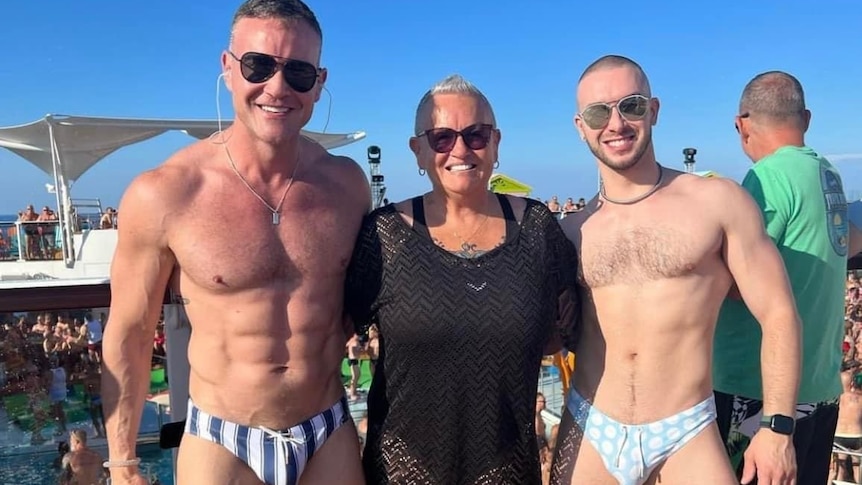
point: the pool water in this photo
(43, 468)
(25, 464)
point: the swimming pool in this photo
(43, 468)
(27, 464)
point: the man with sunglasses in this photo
(659, 250)
(802, 200)
(254, 228)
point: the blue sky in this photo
(161, 58)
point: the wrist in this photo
(122, 467)
(779, 424)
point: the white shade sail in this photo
(77, 143)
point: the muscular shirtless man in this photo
(261, 272)
(82, 465)
(659, 251)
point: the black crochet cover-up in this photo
(461, 340)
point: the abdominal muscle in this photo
(648, 354)
(259, 358)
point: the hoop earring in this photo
(421, 172)
(497, 164)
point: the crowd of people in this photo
(567, 207)
(39, 232)
(848, 432)
(50, 377)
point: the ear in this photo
(743, 129)
(226, 70)
(654, 108)
(579, 125)
(414, 146)
(321, 82)
(806, 120)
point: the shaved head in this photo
(613, 61)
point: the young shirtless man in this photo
(659, 251)
(261, 275)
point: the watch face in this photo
(782, 424)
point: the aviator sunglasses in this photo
(442, 140)
(632, 108)
(257, 68)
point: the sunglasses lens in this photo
(257, 68)
(442, 140)
(300, 75)
(477, 137)
(596, 116)
(633, 107)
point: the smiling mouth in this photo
(462, 167)
(274, 109)
(620, 142)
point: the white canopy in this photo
(76, 143)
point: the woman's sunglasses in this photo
(442, 140)
(632, 108)
(257, 68)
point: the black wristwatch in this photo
(778, 423)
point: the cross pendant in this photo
(275, 218)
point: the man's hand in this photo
(771, 457)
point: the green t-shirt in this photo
(802, 200)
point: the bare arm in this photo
(760, 275)
(66, 473)
(139, 273)
(357, 185)
(855, 245)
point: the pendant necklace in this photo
(276, 211)
(465, 242)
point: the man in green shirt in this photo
(801, 197)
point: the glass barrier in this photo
(50, 399)
(30, 240)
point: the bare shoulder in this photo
(344, 172)
(156, 194)
(728, 198)
(707, 189)
(573, 222)
(169, 183)
(519, 206)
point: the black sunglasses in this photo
(442, 140)
(632, 108)
(257, 68)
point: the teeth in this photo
(617, 143)
(274, 109)
(460, 168)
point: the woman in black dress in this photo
(469, 290)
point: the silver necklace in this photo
(638, 198)
(276, 211)
(465, 242)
